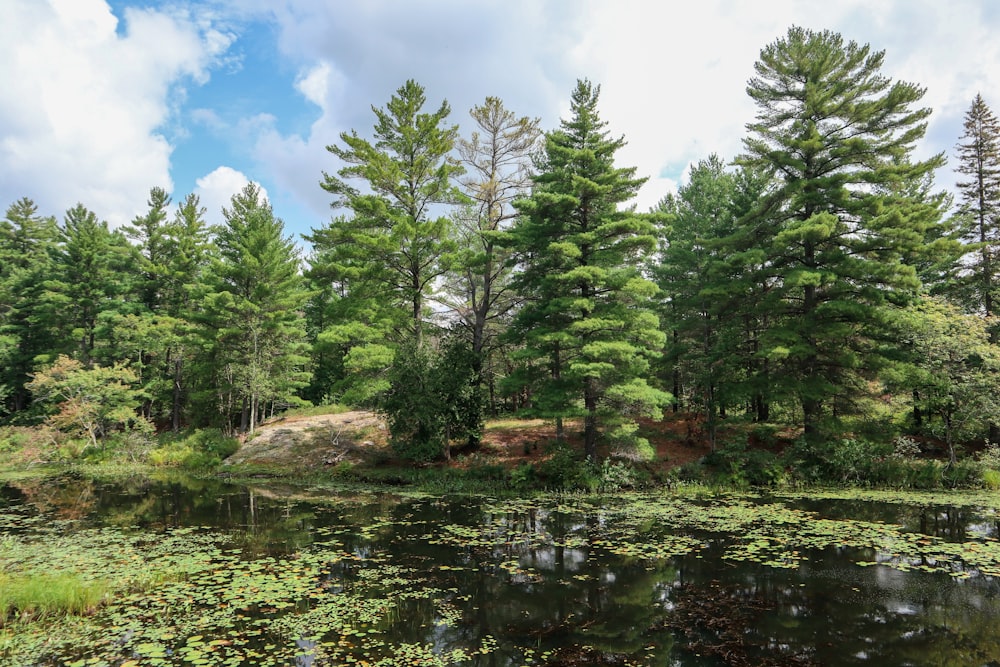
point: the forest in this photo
(818, 285)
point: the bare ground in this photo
(360, 437)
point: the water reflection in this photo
(538, 582)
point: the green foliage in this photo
(847, 212)
(254, 351)
(198, 449)
(953, 367)
(991, 479)
(390, 246)
(432, 399)
(46, 596)
(91, 402)
(587, 330)
(737, 466)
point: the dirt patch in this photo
(315, 441)
(361, 437)
(677, 440)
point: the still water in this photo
(211, 573)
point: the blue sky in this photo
(103, 100)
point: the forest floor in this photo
(361, 438)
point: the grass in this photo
(49, 595)
(314, 411)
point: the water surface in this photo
(212, 573)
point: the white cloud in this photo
(216, 190)
(315, 83)
(82, 107)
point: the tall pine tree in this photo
(587, 316)
(979, 163)
(256, 342)
(842, 220)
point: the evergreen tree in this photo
(257, 351)
(841, 222)
(393, 236)
(587, 314)
(92, 274)
(696, 279)
(150, 232)
(26, 244)
(979, 162)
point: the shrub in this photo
(565, 470)
(962, 475)
(905, 447)
(204, 448)
(736, 465)
(991, 479)
(990, 456)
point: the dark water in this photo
(544, 582)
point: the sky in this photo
(101, 101)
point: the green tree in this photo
(257, 350)
(26, 245)
(91, 274)
(695, 273)
(150, 233)
(841, 222)
(979, 163)
(91, 402)
(431, 398)
(954, 368)
(393, 235)
(587, 314)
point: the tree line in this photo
(817, 280)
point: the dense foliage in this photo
(817, 283)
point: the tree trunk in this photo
(590, 422)
(811, 411)
(175, 417)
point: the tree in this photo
(91, 275)
(89, 401)
(253, 317)
(695, 274)
(431, 399)
(150, 232)
(979, 161)
(587, 314)
(841, 221)
(393, 236)
(26, 246)
(954, 368)
(497, 161)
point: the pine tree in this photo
(26, 244)
(497, 158)
(587, 316)
(979, 162)
(393, 234)
(841, 222)
(150, 233)
(253, 321)
(694, 271)
(92, 275)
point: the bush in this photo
(736, 465)
(962, 475)
(991, 479)
(203, 448)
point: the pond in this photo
(204, 572)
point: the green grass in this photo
(49, 595)
(315, 411)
